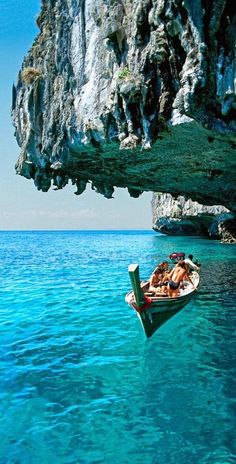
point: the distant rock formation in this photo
(185, 217)
(135, 94)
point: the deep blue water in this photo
(79, 382)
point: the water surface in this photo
(80, 383)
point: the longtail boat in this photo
(152, 310)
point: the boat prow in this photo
(153, 311)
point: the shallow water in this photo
(79, 382)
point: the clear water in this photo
(79, 382)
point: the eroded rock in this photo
(135, 94)
(177, 216)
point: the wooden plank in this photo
(135, 282)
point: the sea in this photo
(79, 381)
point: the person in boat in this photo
(191, 265)
(156, 280)
(176, 277)
(158, 277)
(163, 267)
(165, 272)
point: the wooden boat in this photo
(153, 311)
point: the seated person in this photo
(163, 266)
(176, 276)
(165, 272)
(155, 280)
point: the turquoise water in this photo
(79, 382)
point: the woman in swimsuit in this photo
(155, 280)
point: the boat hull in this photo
(156, 315)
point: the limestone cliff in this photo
(136, 94)
(186, 217)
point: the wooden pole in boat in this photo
(135, 282)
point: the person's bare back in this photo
(178, 274)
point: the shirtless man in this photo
(176, 276)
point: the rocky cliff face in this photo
(186, 217)
(136, 94)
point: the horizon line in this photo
(74, 230)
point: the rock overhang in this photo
(137, 96)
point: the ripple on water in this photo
(79, 383)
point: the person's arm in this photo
(190, 280)
(151, 279)
(195, 267)
(165, 276)
(192, 265)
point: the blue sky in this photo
(22, 206)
